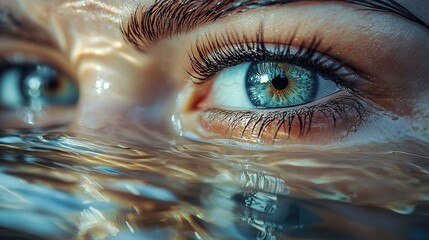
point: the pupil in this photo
(280, 82)
(52, 85)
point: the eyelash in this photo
(209, 57)
(333, 110)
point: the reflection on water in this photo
(63, 186)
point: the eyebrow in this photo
(166, 18)
(16, 27)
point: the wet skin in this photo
(137, 87)
(127, 84)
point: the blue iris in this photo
(279, 84)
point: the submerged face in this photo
(273, 74)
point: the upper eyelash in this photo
(210, 56)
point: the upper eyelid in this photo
(209, 51)
(22, 52)
(24, 40)
(17, 27)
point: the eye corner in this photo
(191, 95)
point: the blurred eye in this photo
(269, 85)
(34, 94)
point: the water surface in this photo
(67, 186)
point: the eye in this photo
(268, 85)
(36, 95)
(248, 89)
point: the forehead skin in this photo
(93, 48)
(89, 22)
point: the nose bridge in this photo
(111, 78)
(110, 73)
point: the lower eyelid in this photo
(318, 124)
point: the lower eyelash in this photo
(347, 110)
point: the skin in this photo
(132, 95)
(149, 88)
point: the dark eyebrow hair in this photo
(166, 18)
(16, 27)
